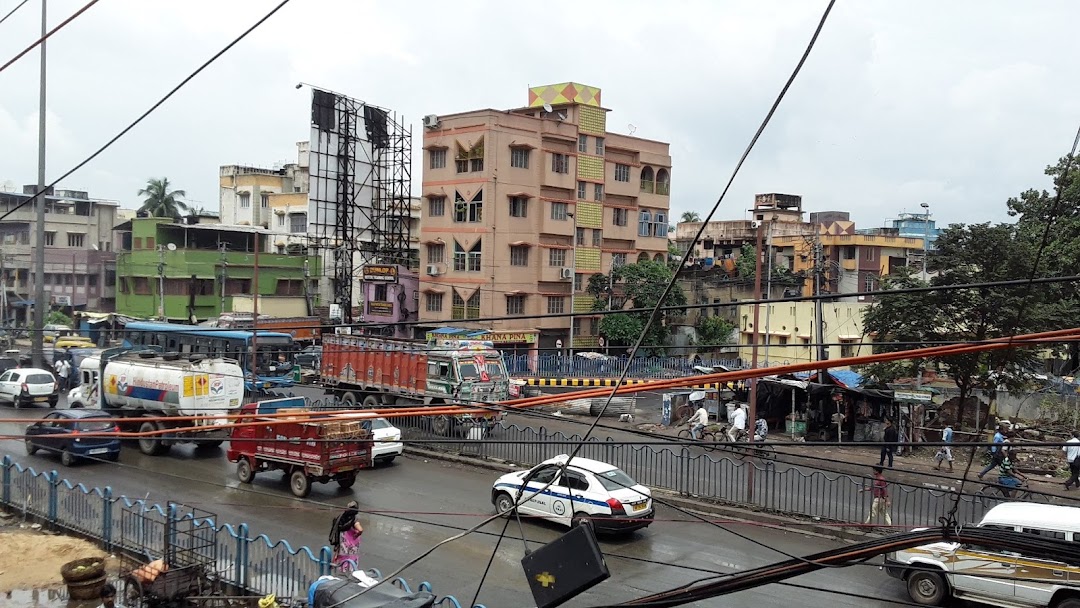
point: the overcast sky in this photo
(958, 104)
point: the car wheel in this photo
(113, 456)
(300, 483)
(504, 505)
(67, 458)
(31, 449)
(347, 482)
(927, 588)
(387, 459)
(1069, 602)
(244, 472)
(151, 445)
(53, 402)
(582, 519)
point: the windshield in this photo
(615, 479)
(95, 425)
(495, 370)
(381, 423)
(275, 358)
(39, 379)
(480, 369)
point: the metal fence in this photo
(255, 564)
(652, 368)
(765, 486)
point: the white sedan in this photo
(387, 438)
(587, 491)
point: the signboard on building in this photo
(923, 396)
(380, 273)
(62, 300)
(382, 309)
(497, 337)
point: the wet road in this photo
(412, 504)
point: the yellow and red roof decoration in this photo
(567, 92)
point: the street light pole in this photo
(926, 237)
(37, 338)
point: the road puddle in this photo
(43, 598)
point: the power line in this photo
(12, 11)
(45, 37)
(147, 113)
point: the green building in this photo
(198, 271)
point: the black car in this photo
(63, 431)
(7, 363)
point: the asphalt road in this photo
(412, 504)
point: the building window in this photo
(519, 206)
(515, 305)
(559, 211)
(599, 146)
(472, 307)
(519, 158)
(581, 190)
(285, 287)
(149, 242)
(140, 286)
(660, 227)
(469, 211)
(457, 310)
(644, 224)
(598, 192)
(868, 253)
(297, 223)
(245, 200)
(618, 260)
(648, 184)
(437, 160)
(91, 280)
(436, 253)
(474, 257)
(461, 165)
(663, 182)
(556, 305)
(436, 205)
(433, 302)
(381, 292)
(557, 257)
(76, 239)
(50, 239)
(577, 281)
(847, 348)
(618, 217)
(471, 160)
(597, 238)
(848, 252)
(281, 220)
(868, 282)
(622, 173)
(579, 236)
(560, 163)
(47, 279)
(80, 280)
(582, 143)
(519, 255)
(264, 199)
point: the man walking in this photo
(945, 451)
(1072, 455)
(996, 453)
(890, 440)
(880, 504)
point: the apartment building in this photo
(522, 206)
(80, 263)
(786, 332)
(850, 262)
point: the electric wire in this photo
(12, 11)
(149, 111)
(45, 37)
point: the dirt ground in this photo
(32, 560)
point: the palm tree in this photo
(160, 201)
(690, 216)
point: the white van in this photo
(993, 576)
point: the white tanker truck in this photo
(145, 384)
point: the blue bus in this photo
(275, 350)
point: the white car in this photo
(27, 386)
(588, 491)
(387, 438)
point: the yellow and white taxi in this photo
(938, 571)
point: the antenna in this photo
(171, 247)
(631, 128)
(547, 108)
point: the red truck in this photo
(302, 329)
(308, 449)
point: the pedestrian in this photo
(108, 596)
(1072, 456)
(341, 523)
(880, 505)
(889, 446)
(995, 452)
(1008, 477)
(945, 451)
(63, 370)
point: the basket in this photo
(83, 569)
(87, 589)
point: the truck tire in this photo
(927, 588)
(442, 425)
(209, 444)
(244, 471)
(152, 446)
(300, 483)
(371, 402)
(348, 399)
(347, 481)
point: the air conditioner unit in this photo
(433, 270)
(431, 121)
(567, 273)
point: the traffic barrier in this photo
(255, 564)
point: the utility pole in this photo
(926, 238)
(751, 417)
(819, 329)
(161, 282)
(38, 344)
(255, 314)
(768, 288)
(224, 275)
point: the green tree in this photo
(746, 263)
(160, 201)
(690, 216)
(57, 317)
(712, 331)
(642, 284)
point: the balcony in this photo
(648, 185)
(663, 188)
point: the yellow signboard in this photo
(189, 386)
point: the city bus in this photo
(275, 350)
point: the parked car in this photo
(29, 385)
(52, 331)
(387, 438)
(309, 358)
(7, 363)
(588, 491)
(62, 432)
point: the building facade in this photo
(80, 261)
(792, 334)
(521, 207)
(391, 297)
(850, 263)
(193, 272)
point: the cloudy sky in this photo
(958, 104)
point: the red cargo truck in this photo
(325, 448)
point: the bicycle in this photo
(708, 438)
(759, 449)
(994, 493)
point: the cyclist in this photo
(1008, 477)
(700, 419)
(761, 430)
(738, 424)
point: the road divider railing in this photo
(249, 562)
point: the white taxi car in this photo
(937, 571)
(387, 438)
(588, 491)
